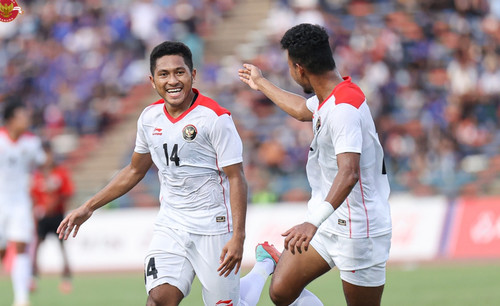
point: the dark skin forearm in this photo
(232, 253)
(125, 180)
(299, 236)
(345, 180)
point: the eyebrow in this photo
(173, 69)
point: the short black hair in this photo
(11, 105)
(170, 48)
(308, 45)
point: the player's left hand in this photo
(231, 257)
(73, 221)
(299, 236)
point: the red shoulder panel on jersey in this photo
(207, 102)
(347, 92)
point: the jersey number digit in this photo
(151, 269)
(173, 156)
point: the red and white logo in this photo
(157, 131)
(9, 9)
(225, 302)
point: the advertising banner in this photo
(476, 228)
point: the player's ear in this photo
(193, 75)
(299, 68)
(151, 79)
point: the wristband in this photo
(319, 213)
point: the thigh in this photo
(205, 258)
(164, 295)
(362, 296)
(167, 262)
(20, 226)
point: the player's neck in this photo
(324, 84)
(176, 111)
(13, 133)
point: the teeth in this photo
(174, 90)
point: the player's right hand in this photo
(249, 74)
(299, 237)
(73, 221)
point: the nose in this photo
(172, 79)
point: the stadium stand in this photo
(430, 70)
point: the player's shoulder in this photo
(153, 109)
(348, 93)
(211, 105)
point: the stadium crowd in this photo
(430, 70)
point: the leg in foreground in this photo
(21, 274)
(293, 273)
(362, 296)
(164, 295)
(251, 285)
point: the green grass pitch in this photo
(440, 284)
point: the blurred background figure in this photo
(51, 189)
(20, 152)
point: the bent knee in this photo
(281, 294)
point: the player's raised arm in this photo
(232, 253)
(293, 104)
(125, 180)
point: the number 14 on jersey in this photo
(173, 155)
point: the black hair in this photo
(308, 45)
(170, 48)
(11, 105)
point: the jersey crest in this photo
(318, 123)
(189, 132)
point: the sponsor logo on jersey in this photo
(318, 123)
(157, 131)
(342, 222)
(189, 132)
(9, 9)
(225, 302)
(220, 219)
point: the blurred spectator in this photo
(51, 189)
(430, 70)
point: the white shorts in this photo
(16, 222)
(361, 261)
(175, 257)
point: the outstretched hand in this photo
(299, 237)
(249, 74)
(73, 221)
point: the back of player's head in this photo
(307, 45)
(170, 48)
(10, 108)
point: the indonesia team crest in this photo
(9, 9)
(189, 132)
(318, 123)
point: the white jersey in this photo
(17, 159)
(190, 152)
(341, 124)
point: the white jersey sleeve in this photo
(141, 145)
(226, 141)
(312, 104)
(346, 129)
